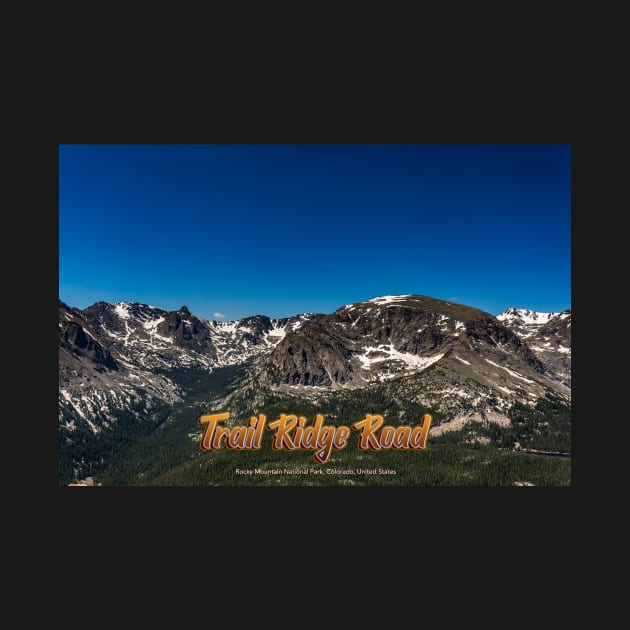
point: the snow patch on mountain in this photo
(378, 354)
(389, 299)
(515, 374)
(524, 316)
(122, 310)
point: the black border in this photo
(477, 515)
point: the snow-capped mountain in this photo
(156, 338)
(547, 334)
(524, 317)
(449, 357)
(116, 358)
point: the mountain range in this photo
(127, 365)
(117, 358)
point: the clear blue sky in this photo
(281, 229)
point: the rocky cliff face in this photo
(76, 339)
(97, 382)
(382, 338)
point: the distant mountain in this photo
(117, 358)
(547, 334)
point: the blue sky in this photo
(279, 229)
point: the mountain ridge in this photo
(458, 360)
(125, 365)
(117, 356)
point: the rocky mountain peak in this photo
(414, 302)
(524, 316)
(547, 334)
(389, 336)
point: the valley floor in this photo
(167, 454)
(438, 465)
